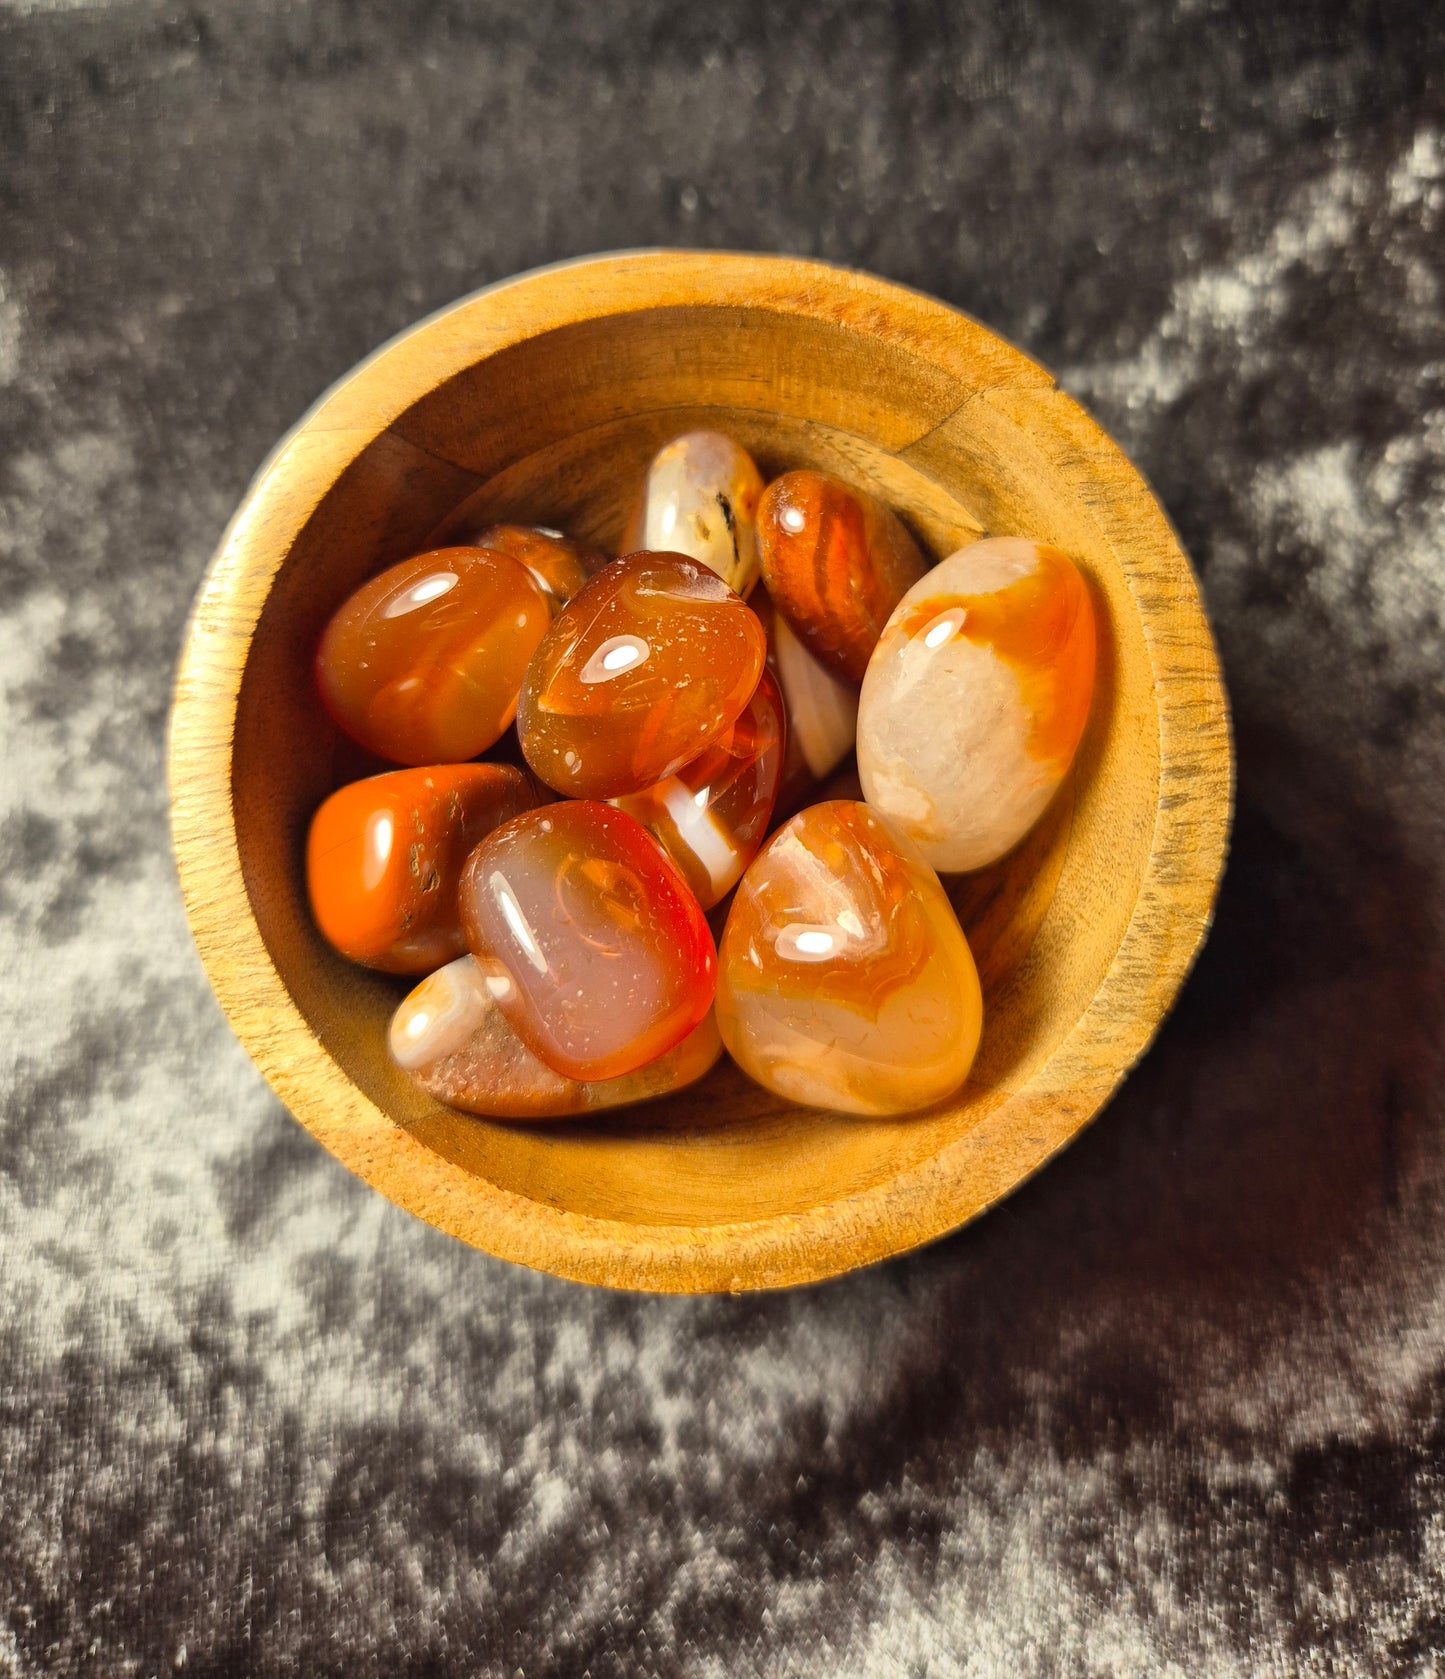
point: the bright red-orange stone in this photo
(558, 565)
(422, 664)
(384, 856)
(712, 815)
(589, 939)
(836, 562)
(641, 672)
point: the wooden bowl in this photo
(540, 400)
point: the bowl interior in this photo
(557, 429)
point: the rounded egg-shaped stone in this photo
(639, 674)
(384, 857)
(844, 979)
(976, 699)
(836, 562)
(701, 499)
(591, 943)
(422, 665)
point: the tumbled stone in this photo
(711, 816)
(559, 566)
(452, 1039)
(976, 699)
(822, 709)
(844, 979)
(384, 857)
(701, 499)
(593, 947)
(640, 673)
(836, 562)
(422, 665)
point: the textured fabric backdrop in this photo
(1179, 1405)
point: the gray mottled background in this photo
(1179, 1406)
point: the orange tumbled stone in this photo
(453, 1041)
(711, 816)
(558, 565)
(639, 674)
(590, 941)
(976, 699)
(422, 664)
(384, 857)
(836, 562)
(844, 979)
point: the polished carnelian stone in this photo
(558, 565)
(384, 856)
(452, 1040)
(844, 979)
(836, 562)
(711, 816)
(640, 673)
(591, 943)
(422, 664)
(976, 699)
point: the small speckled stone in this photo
(701, 499)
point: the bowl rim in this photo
(1167, 926)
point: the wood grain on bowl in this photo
(543, 399)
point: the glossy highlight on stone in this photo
(836, 562)
(701, 499)
(711, 816)
(976, 699)
(640, 673)
(590, 941)
(558, 566)
(422, 665)
(844, 979)
(454, 1042)
(384, 857)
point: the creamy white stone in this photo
(701, 499)
(943, 724)
(822, 710)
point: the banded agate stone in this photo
(559, 566)
(642, 671)
(588, 937)
(701, 499)
(454, 1042)
(422, 665)
(384, 857)
(844, 979)
(976, 699)
(711, 816)
(836, 563)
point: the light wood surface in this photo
(542, 399)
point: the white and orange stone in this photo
(976, 698)
(701, 499)
(451, 1039)
(844, 979)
